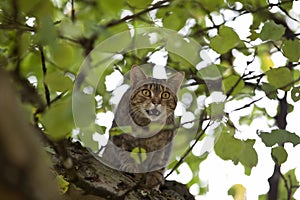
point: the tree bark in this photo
(98, 180)
(281, 123)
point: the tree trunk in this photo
(24, 172)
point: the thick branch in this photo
(95, 178)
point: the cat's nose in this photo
(155, 101)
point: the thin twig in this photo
(187, 152)
(248, 104)
(242, 12)
(230, 91)
(47, 92)
(287, 14)
(157, 5)
(73, 11)
(267, 94)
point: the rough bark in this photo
(98, 180)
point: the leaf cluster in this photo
(50, 48)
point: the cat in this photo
(143, 129)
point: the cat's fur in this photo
(142, 133)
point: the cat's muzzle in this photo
(153, 112)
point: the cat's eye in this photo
(146, 93)
(165, 95)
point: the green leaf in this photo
(270, 90)
(232, 85)
(211, 72)
(139, 154)
(99, 129)
(291, 50)
(257, 112)
(58, 119)
(113, 44)
(292, 181)
(25, 43)
(173, 22)
(254, 35)
(83, 109)
(176, 19)
(58, 82)
(86, 136)
(182, 53)
(228, 147)
(210, 5)
(280, 78)
(295, 94)
(263, 197)
(237, 191)
(226, 40)
(266, 61)
(118, 130)
(279, 137)
(279, 155)
(177, 61)
(63, 185)
(272, 31)
(216, 110)
(111, 7)
(139, 3)
(26, 6)
(287, 6)
(45, 10)
(63, 55)
(70, 29)
(46, 34)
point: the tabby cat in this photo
(142, 133)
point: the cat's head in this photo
(153, 100)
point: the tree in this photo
(57, 57)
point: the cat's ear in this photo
(175, 81)
(136, 75)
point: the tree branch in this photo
(73, 18)
(188, 151)
(281, 123)
(44, 69)
(157, 5)
(97, 179)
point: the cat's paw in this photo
(129, 167)
(154, 180)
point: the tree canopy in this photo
(67, 59)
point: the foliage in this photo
(46, 43)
